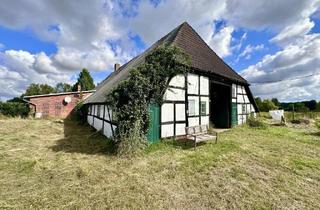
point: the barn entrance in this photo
(220, 105)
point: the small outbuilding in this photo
(211, 92)
(57, 105)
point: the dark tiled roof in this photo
(203, 58)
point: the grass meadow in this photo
(50, 164)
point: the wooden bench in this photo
(200, 133)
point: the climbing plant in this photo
(145, 85)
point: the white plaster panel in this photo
(193, 121)
(239, 89)
(180, 112)
(90, 120)
(166, 112)
(234, 90)
(196, 105)
(166, 130)
(110, 112)
(240, 99)
(205, 120)
(244, 118)
(246, 99)
(206, 99)
(96, 110)
(177, 81)
(240, 119)
(193, 84)
(174, 94)
(107, 130)
(101, 111)
(97, 124)
(114, 127)
(106, 114)
(180, 129)
(239, 108)
(248, 109)
(234, 100)
(204, 85)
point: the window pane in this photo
(203, 107)
(191, 107)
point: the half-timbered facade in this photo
(209, 93)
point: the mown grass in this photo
(46, 164)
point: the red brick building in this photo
(57, 105)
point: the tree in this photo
(85, 80)
(312, 105)
(266, 105)
(39, 89)
(63, 87)
(276, 102)
(16, 99)
(318, 107)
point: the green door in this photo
(234, 114)
(154, 128)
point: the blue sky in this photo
(263, 41)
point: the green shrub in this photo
(132, 141)
(318, 124)
(255, 122)
(14, 109)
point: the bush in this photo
(14, 109)
(130, 142)
(318, 124)
(255, 122)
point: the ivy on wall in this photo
(146, 85)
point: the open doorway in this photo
(220, 106)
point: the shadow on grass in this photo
(317, 134)
(83, 139)
(175, 144)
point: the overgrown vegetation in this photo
(14, 109)
(256, 122)
(146, 85)
(46, 164)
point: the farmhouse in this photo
(58, 105)
(211, 92)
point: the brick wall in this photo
(54, 105)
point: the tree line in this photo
(272, 104)
(17, 107)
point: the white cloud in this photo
(151, 22)
(271, 14)
(20, 68)
(249, 50)
(293, 32)
(284, 73)
(220, 42)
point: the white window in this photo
(244, 109)
(203, 107)
(191, 107)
